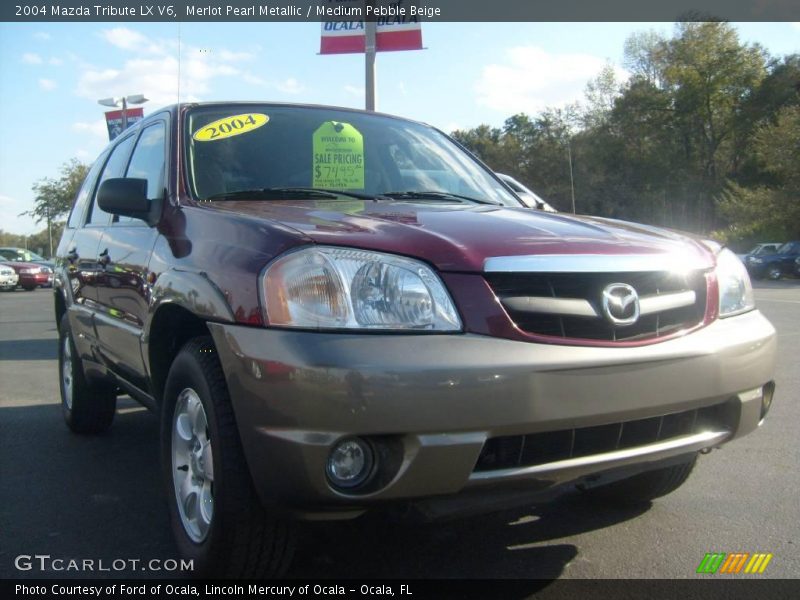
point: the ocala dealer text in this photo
(143, 590)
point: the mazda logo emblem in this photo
(620, 304)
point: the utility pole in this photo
(370, 43)
(49, 232)
(571, 177)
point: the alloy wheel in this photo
(192, 465)
(66, 370)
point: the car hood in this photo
(460, 237)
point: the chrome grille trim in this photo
(578, 307)
(596, 263)
(570, 305)
(564, 470)
(654, 304)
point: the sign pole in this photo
(369, 63)
(124, 114)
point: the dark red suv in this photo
(335, 311)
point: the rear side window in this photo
(115, 167)
(85, 193)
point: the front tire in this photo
(216, 517)
(643, 487)
(774, 273)
(88, 407)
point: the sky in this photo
(52, 74)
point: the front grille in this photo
(512, 451)
(535, 302)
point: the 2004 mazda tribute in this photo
(335, 311)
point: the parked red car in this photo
(31, 275)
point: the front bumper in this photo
(35, 279)
(434, 400)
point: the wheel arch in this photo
(59, 306)
(182, 303)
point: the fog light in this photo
(350, 463)
(766, 398)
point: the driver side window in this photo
(148, 163)
(115, 167)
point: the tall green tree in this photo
(769, 211)
(53, 197)
(697, 138)
(710, 74)
(645, 56)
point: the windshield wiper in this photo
(287, 192)
(273, 193)
(418, 195)
(359, 195)
(278, 193)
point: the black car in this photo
(775, 266)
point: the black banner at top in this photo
(404, 10)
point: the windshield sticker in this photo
(230, 126)
(338, 157)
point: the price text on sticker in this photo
(338, 157)
(230, 126)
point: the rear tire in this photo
(643, 487)
(88, 407)
(216, 516)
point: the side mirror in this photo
(128, 197)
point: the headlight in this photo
(756, 261)
(735, 291)
(325, 287)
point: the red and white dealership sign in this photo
(392, 32)
(114, 120)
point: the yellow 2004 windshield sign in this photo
(338, 157)
(230, 126)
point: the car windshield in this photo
(763, 249)
(277, 151)
(20, 255)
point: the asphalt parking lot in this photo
(100, 497)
